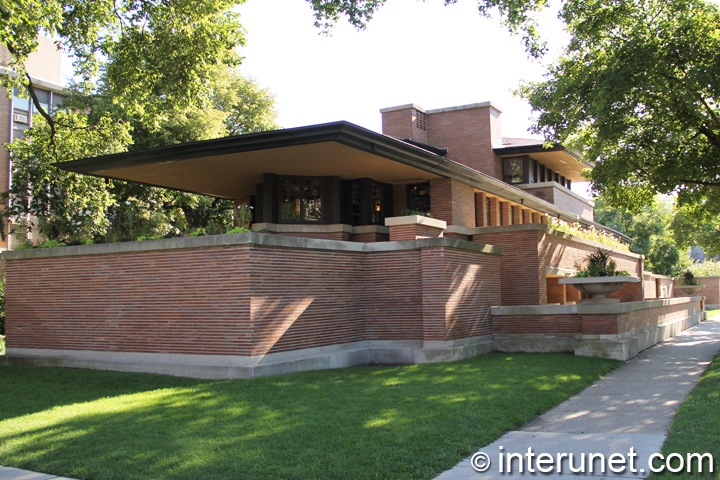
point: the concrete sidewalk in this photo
(631, 407)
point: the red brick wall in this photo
(562, 252)
(400, 199)
(710, 290)
(394, 296)
(529, 252)
(468, 135)
(619, 323)
(247, 299)
(398, 123)
(453, 202)
(551, 324)
(463, 286)
(369, 237)
(413, 231)
(523, 281)
(482, 213)
(303, 298)
(164, 301)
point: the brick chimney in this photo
(469, 132)
(405, 121)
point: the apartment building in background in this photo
(17, 110)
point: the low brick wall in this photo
(619, 330)
(534, 251)
(710, 290)
(224, 305)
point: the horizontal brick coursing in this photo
(393, 288)
(369, 237)
(528, 254)
(414, 231)
(523, 282)
(341, 236)
(527, 324)
(453, 202)
(625, 322)
(458, 288)
(247, 299)
(710, 290)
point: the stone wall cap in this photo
(415, 220)
(252, 240)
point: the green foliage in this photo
(599, 264)
(588, 233)
(69, 207)
(394, 422)
(695, 225)
(695, 427)
(636, 91)
(689, 278)
(156, 57)
(519, 16)
(649, 227)
(705, 269)
(410, 211)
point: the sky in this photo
(417, 52)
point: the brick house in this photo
(340, 269)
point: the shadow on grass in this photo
(369, 422)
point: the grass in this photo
(366, 422)
(696, 426)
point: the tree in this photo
(688, 232)
(150, 73)
(650, 230)
(517, 15)
(79, 209)
(156, 56)
(636, 90)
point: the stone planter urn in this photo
(687, 290)
(598, 287)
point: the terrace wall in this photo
(250, 304)
(619, 330)
(533, 252)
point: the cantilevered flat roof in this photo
(231, 167)
(566, 162)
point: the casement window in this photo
(418, 197)
(301, 199)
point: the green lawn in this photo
(696, 426)
(356, 423)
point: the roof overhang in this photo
(566, 162)
(231, 167)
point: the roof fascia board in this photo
(342, 132)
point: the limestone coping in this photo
(301, 228)
(591, 280)
(459, 229)
(415, 220)
(590, 309)
(525, 227)
(253, 238)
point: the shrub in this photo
(600, 264)
(705, 269)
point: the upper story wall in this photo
(469, 132)
(44, 64)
